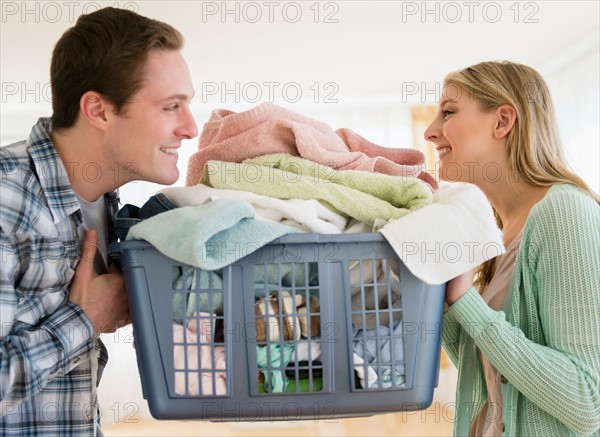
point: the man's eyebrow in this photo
(180, 97)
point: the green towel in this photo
(285, 184)
(402, 192)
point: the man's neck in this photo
(82, 154)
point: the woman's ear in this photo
(506, 117)
(94, 108)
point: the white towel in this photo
(454, 234)
(305, 215)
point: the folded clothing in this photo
(208, 236)
(268, 128)
(454, 234)
(277, 183)
(400, 191)
(307, 215)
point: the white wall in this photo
(573, 77)
(573, 81)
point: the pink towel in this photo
(197, 359)
(232, 137)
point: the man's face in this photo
(143, 140)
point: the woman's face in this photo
(463, 135)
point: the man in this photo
(120, 94)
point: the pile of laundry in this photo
(268, 172)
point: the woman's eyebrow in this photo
(447, 101)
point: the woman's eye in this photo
(172, 107)
(447, 112)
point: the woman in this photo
(526, 338)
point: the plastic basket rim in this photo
(286, 239)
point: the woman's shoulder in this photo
(564, 200)
(564, 210)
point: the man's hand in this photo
(101, 297)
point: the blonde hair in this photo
(534, 149)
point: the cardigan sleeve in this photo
(561, 377)
(451, 337)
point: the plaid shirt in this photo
(46, 342)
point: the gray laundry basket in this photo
(276, 335)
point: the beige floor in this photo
(134, 419)
(435, 421)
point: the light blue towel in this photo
(271, 361)
(208, 236)
(196, 290)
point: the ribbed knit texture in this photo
(546, 341)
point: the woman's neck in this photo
(513, 204)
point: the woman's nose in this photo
(432, 132)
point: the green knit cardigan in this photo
(546, 341)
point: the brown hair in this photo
(534, 148)
(104, 52)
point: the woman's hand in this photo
(458, 286)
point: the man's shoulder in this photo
(17, 168)
(13, 157)
(20, 189)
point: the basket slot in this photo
(377, 349)
(199, 357)
(287, 320)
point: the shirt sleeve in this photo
(562, 376)
(32, 355)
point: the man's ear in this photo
(506, 116)
(94, 109)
